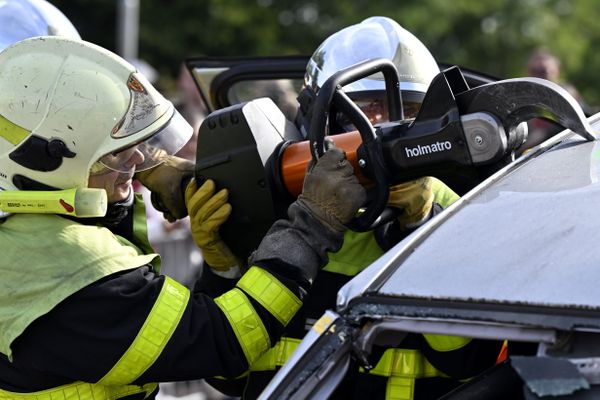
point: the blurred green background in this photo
(494, 36)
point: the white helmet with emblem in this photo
(67, 110)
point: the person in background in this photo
(545, 65)
(190, 105)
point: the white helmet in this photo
(22, 19)
(375, 37)
(68, 108)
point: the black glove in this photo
(331, 192)
(330, 198)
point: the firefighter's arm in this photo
(141, 328)
(286, 262)
(330, 198)
(213, 284)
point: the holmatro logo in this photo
(436, 147)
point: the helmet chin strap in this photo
(117, 211)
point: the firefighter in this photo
(420, 366)
(84, 311)
(22, 19)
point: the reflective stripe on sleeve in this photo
(446, 343)
(247, 325)
(273, 295)
(152, 337)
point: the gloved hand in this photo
(415, 198)
(208, 211)
(331, 192)
(330, 198)
(165, 182)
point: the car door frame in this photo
(214, 76)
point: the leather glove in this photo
(415, 198)
(166, 183)
(331, 192)
(330, 198)
(208, 211)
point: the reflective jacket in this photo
(422, 366)
(85, 315)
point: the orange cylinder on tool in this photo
(296, 157)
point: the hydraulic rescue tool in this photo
(460, 135)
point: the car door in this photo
(223, 82)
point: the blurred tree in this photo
(494, 36)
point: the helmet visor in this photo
(149, 153)
(375, 107)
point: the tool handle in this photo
(332, 93)
(296, 157)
